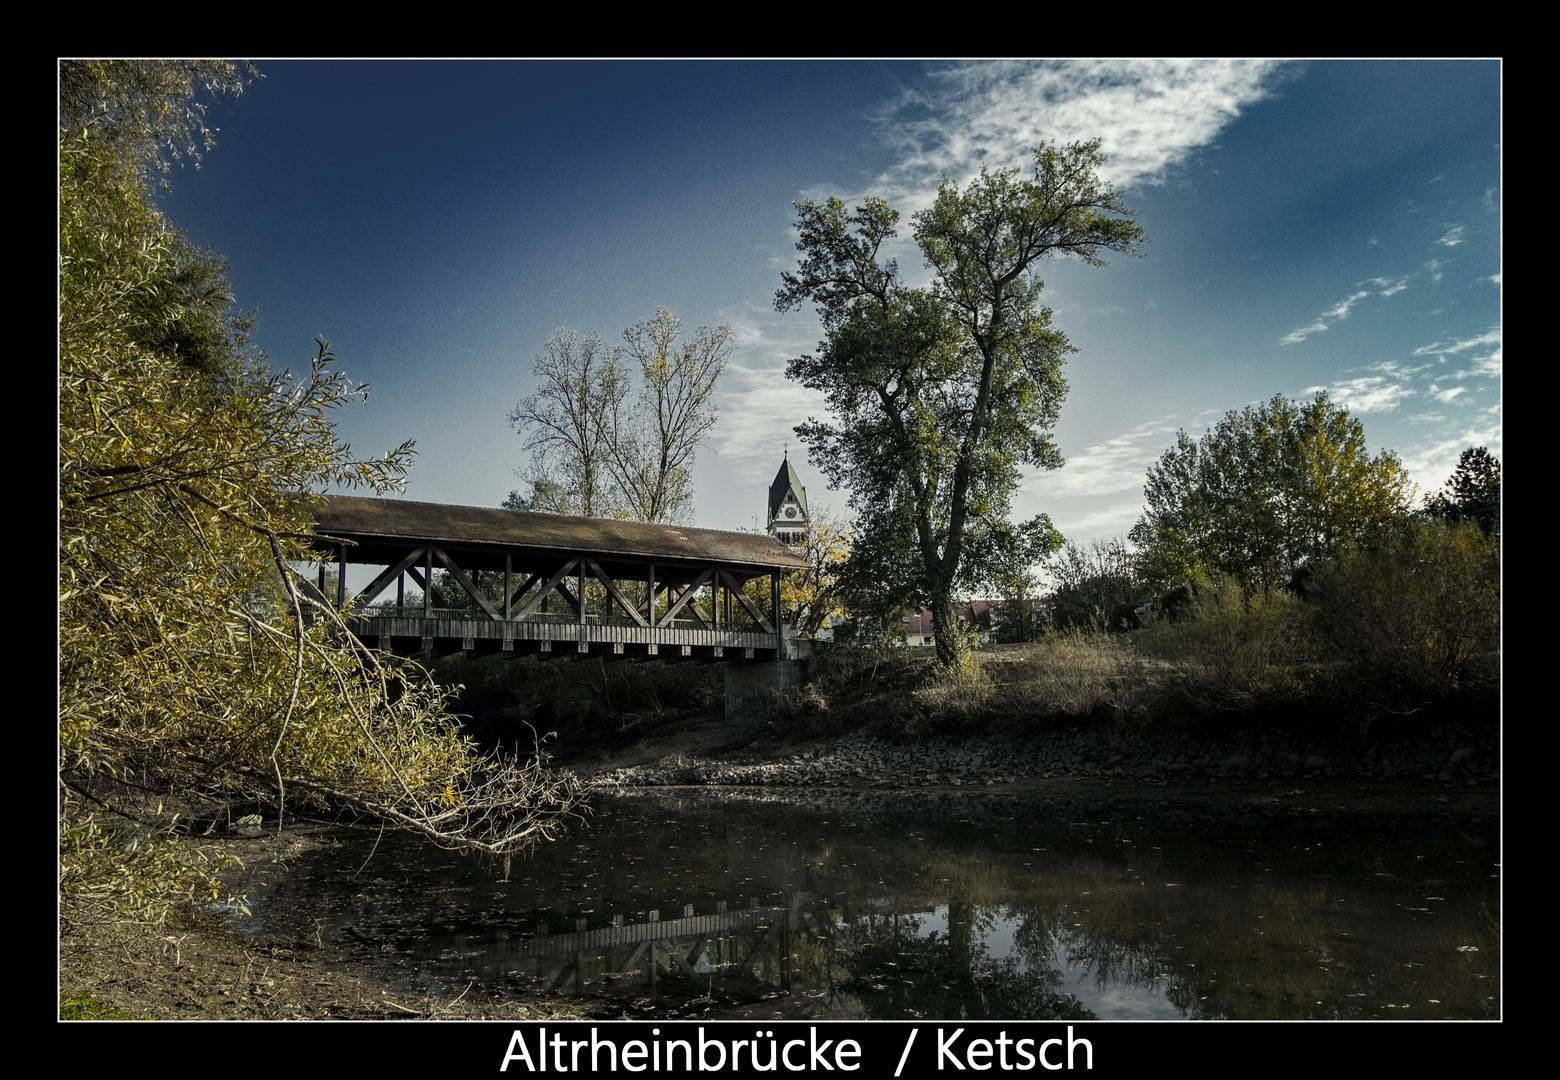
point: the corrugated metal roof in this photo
(382, 521)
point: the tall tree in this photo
(567, 425)
(595, 453)
(1472, 493)
(941, 394)
(652, 449)
(192, 661)
(1266, 492)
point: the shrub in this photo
(1414, 616)
(1074, 673)
(1231, 649)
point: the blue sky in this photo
(1314, 225)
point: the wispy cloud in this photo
(1149, 114)
(1341, 310)
(1486, 364)
(1448, 394)
(1117, 464)
(1453, 236)
(1368, 394)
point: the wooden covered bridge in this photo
(519, 583)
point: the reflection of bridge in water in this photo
(751, 945)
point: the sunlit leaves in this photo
(1265, 492)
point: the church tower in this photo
(787, 506)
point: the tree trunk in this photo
(953, 649)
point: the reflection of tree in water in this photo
(1044, 942)
(897, 972)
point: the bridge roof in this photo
(382, 529)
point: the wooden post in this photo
(341, 577)
(774, 606)
(652, 594)
(428, 583)
(508, 569)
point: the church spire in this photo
(787, 504)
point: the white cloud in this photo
(1448, 394)
(1117, 464)
(1390, 286)
(1295, 337)
(1368, 394)
(1450, 348)
(1453, 236)
(1149, 114)
(1339, 311)
(1431, 466)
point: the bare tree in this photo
(568, 425)
(594, 454)
(652, 448)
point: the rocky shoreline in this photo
(1456, 756)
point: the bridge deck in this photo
(550, 584)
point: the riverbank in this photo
(1455, 768)
(199, 968)
(196, 968)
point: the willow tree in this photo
(941, 394)
(194, 663)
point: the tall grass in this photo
(1234, 650)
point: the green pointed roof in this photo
(786, 480)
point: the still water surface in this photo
(912, 906)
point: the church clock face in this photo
(790, 511)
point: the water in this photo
(911, 906)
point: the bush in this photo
(1233, 650)
(1417, 617)
(1073, 673)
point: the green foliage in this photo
(1267, 491)
(940, 394)
(1472, 493)
(1415, 616)
(190, 661)
(83, 1006)
(1017, 615)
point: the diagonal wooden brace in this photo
(687, 595)
(380, 583)
(616, 593)
(747, 604)
(466, 583)
(551, 583)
